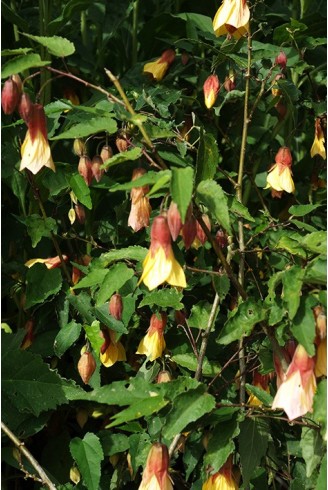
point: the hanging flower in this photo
(281, 60)
(174, 220)
(140, 207)
(35, 149)
(222, 479)
(296, 392)
(201, 237)
(11, 93)
(116, 306)
(50, 263)
(111, 350)
(160, 265)
(280, 175)
(156, 473)
(189, 229)
(157, 69)
(232, 19)
(153, 344)
(318, 147)
(211, 89)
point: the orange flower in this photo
(211, 89)
(156, 473)
(318, 147)
(111, 351)
(280, 175)
(157, 69)
(222, 479)
(232, 19)
(140, 207)
(296, 392)
(153, 344)
(50, 263)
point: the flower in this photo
(153, 344)
(281, 60)
(211, 89)
(50, 263)
(11, 93)
(85, 169)
(160, 265)
(189, 229)
(318, 147)
(320, 341)
(35, 149)
(156, 473)
(140, 207)
(201, 237)
(174, 220)
(222, 479)
(111, 350)
(116, 306)
(86, 366)
(280, 175)
(157, 69)
(296, 392)
(232, 19)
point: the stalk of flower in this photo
(158, 68)
(232, 19)
(211, 89)
(296, 392)
(160, 265)
(222, 479)
(111, 350)
(35, 149)
(280, 175)
(153, 344)
(140, 207)
(156, 473)
(318, 146)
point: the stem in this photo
(206, 335)
(84, 32)
(15, 28)
(135, 33)
(44, 19)
(20, 445)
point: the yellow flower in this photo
(160, 265)
(140, 207)
(35, 149)
(153, 344)
(111, 350)
(156, 473)
(321, 359)
(222, 480)
(280, 175)
(318, 147)
(232, 19)
(159, 67)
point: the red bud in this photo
(86, 366)
(25, 107)
(10, 96)
(85, 169)
(116, 306)
(174, 220)
(281, 60)
(97, 172)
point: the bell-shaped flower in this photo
(140, 206)
(222, 479)
(35, 149)
(111, 350)
(157, 69)
(232, 19)
(295, 393)
(280, 175)
(153, 344)
(318, 147)
(156, 473)
(211, 89)
(160, 265)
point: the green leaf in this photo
(322, 478)
(160, 184)
(81, 190)
(66, 337)
(211, 194)
(292, 281)
(190, 362)
(239, 209)
(56, 45)
(22, 63)
(200, 314)
(93, 334)
(221, 284)
(82, 303)
(241, 323)
(92, 126)
(130, 253)
(221, 444)
(115, 278)
(316, 272)
(41, 283)
(303, 209)
(88, 455)
(141, 408)
(150, 178)
(181, 188)
(253, 443)
(38, 227)
(102, 314)
(165, 298)
(261, 394)
(187, 408)
(94, 278)
(316, 242)
(122, 157)
(312, 449)
(113, 443)
(303, 326)
(320, 407)
(292, 246)
(139, 448)
(207, 158)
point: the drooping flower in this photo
(201, 237)
(280, 175)
(318, 147)
(156, 473)
(174, 220)
(281, 60)
(140, 206)
(116, 306)
(189, 229)
(50, 263)
(153, 344)
(112, 350)
(160, 265)
(86, 366)
(85, 169)
(159, 67)
(232, 19)
(222, 479)
(287, 352)
(96, 169)
(35, 149)
(11, 93)
(211, 89)
(296, 392)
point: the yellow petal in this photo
(152, 345)
(318, 148)
(157, 269)
(177, 276)
(36, 154)
(157, 69)
(109, 357)
(286, 181)
(293, 398)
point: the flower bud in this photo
(86, 366)
(74, 475)
(80, 213)
(106, 153)
(121, 143)
(71, 216)
(180, 317)
(211, 89)
(221, 239)
(174, 220)
(168, 56)
(116, 306)
(229, 82)
(164, 377)
(79, 147)
(17, 79)
(85, 169)
(82, 416)
(10, 96)
(281, 60)
(156, 472)
(200, 234)
(189, 228)
(97, 172)
(25, 107)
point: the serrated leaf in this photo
(92, 126)
(292, 281)
(160, 184)
(322, 478)
(320, 407)
(199, 316)
(239, 209)
(88, 454)
(150, 178)
(116, 277)
(82, 303)
(211, 194)
(253, 443)
(316, 271)
(41, 283)
(187, 407)
(81, 190)
(303, 326)
(261, 394)
(316, 242)
(190, 362)
(207, 158)
(303, 209)
(56, 45)
(122, 157)
(22, 63)
(312, 451)
(130, 253)
(113, 443)
(66, 337)
(292, 246)
(102, 313)
(247, 315)
(38, 227)
(221, 444)
(181, 188)
(222, 285)
(142, 408)
(93, 334)
(94, 278)
(165, 298)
